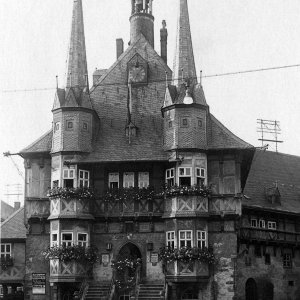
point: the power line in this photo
(163, 80)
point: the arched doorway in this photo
(129, 260)
(251, 289)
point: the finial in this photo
(201, 78)
(182, 75)
(164, 24)
(56, 82)
(166, 79)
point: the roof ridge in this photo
(229, 133)
(36, 141)
(11, 216)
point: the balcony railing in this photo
(225, 205)
(37, 208)
(67, 271)
(12, 272)
(187, 271)
(276, 236)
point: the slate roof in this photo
(43, 144)
(267, 169)
(13, 227)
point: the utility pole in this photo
(269, 130)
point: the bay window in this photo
(170, 177)
(5, 250)
(54, 239)
(170, 238)
(200, 176)
(84, 179)
(185, 238)
(68, 177)
(201, 239)
(185, 176)
(67, 239)
(82, 239)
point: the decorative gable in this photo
(273, 194)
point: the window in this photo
(85, 126)
(185, 176)
(170, 177)
(54, 240)
(129, 227)
(69, 125)
(128, 179)
(67, 239)
(267, 259)
(291, 283)
(257, 250)
(201, 239)
(185, 238)
(143, 179)
(287, 260)
(69, 176)
(84, 178)
(56, 126)
(82, 239)
(170, 239)
(170, 124)
(253, 223)
(200, 176)
(199, 123)
(5, 250)
(184, 122)
(261, 224)
(272, 225)
(113, 180)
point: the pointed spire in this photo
(184, 63)
(77, 63)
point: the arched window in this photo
(251, 289)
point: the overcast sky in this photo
(228, 36)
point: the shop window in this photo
(261, 223)
(128, 179)
(84, 178)
(201, 239)
(170, 239)
(82, 239)
(69, 177)
(113, 180)
(185, 176)
(287, 260)
(170, 177)
(67, 239)
(267, 259)
(253, 223)
(143, 179)
(272, 225)
(5, 250)
(54, 239)
(185, 238)
(200, 176)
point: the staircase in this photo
(149, 291)
(97, 291)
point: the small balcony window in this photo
(82, 239)
(128, 179)
(185, 238)
(113, 180)
(185, 176)
(201, 239)
(68, 177)
(200, 176)
(287, 260)
(170, 239)
(143, 179)
(170, 177)
(84, 178)
(5, 250)
(67, 239)
(272, 225)
(261, 223)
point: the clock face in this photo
(137, 74)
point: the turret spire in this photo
(184, 63)
(77, 63)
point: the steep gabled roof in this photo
(13, 227)
(219, 137)
(43, 144)
(271, 169)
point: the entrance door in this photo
(130, 251)
(251, 289)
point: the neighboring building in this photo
(7, 210)
(12, 255)
(142, 125)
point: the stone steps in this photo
(97, 291)
(151, 291)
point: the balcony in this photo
(9, 271)
(37, 208)
(70, 203)
(71, 271)
(192, 271)
(270, 236)
(225, 205)
(129, 202)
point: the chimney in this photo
(17, 205)
(164, 42)
(120, 47)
